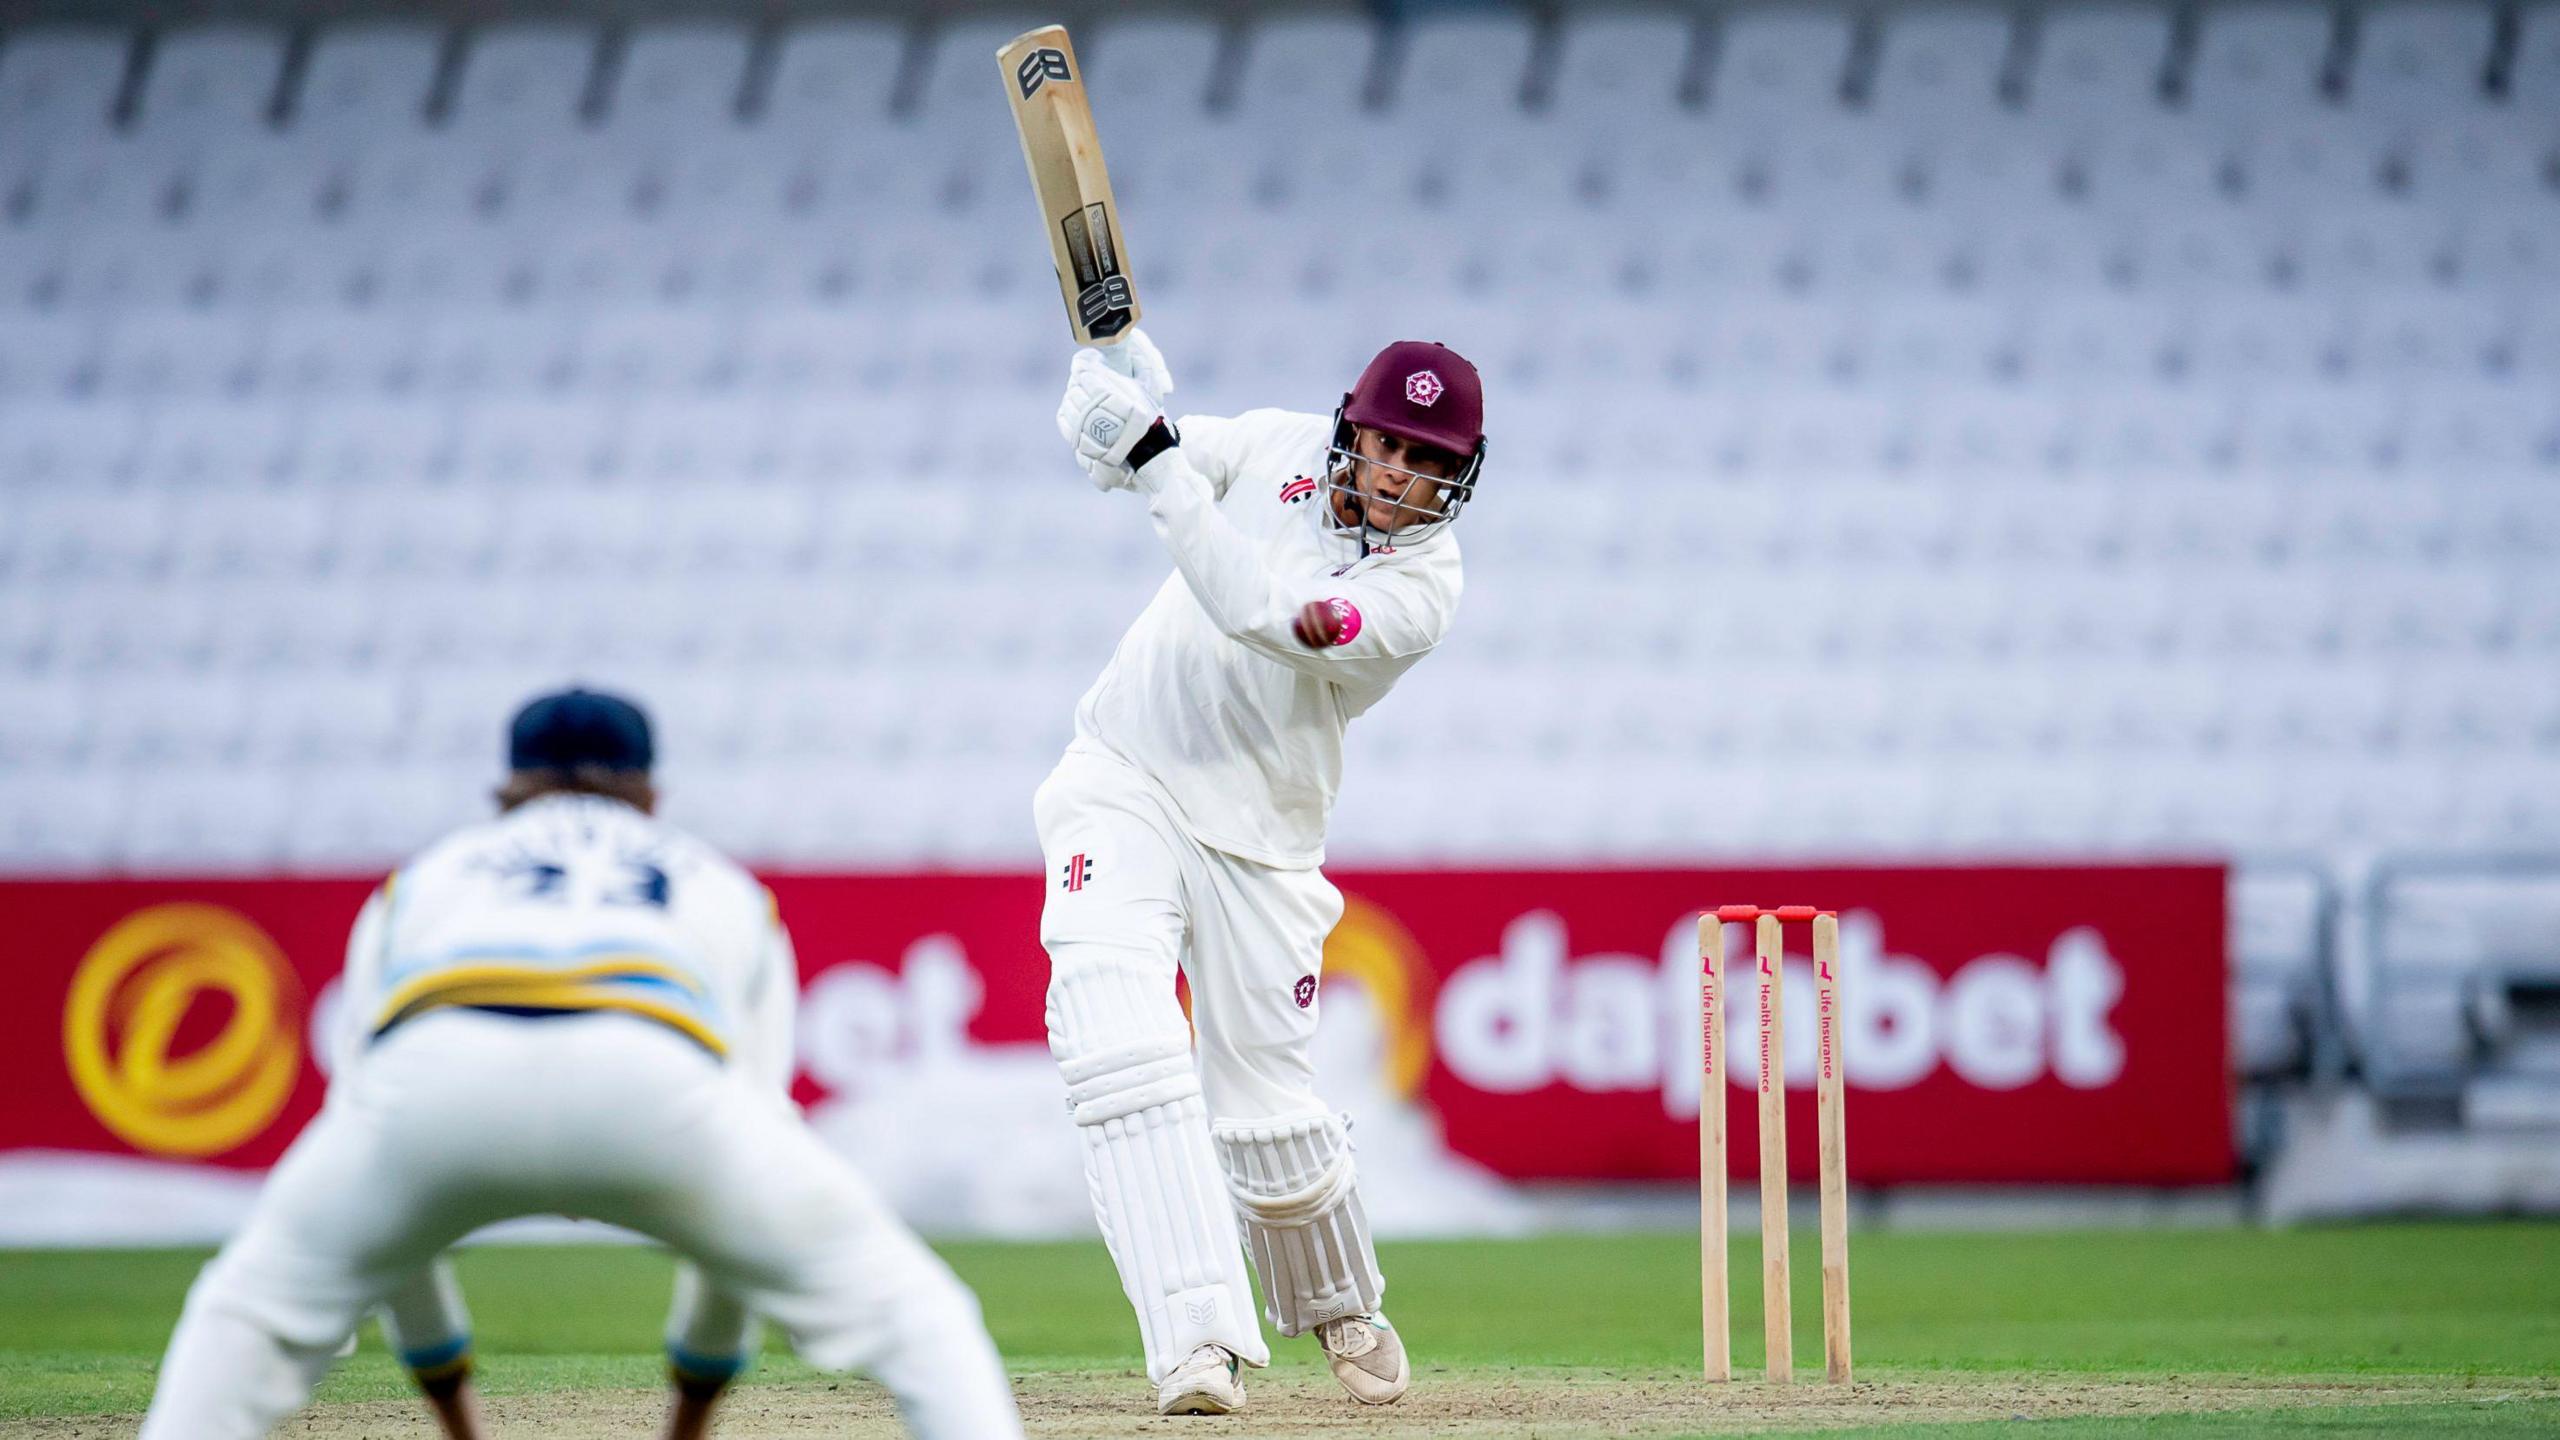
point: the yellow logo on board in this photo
(132, 993)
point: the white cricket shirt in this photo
(576, 902)
(1210, 694)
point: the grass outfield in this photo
(2383, 1329)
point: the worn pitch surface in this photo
(2386, 1329)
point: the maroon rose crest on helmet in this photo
(1423, 392)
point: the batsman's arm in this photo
(1216, 445)
(1383, 617)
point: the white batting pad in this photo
(1135, 1096)
(1298, 1203)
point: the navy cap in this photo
(580, 729)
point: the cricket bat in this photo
(1046, 86)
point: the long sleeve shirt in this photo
(1211, 693)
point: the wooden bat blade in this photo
(1045, 85)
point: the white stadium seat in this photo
(372, 818)
(1941, 68)
(209, 84)
(835, 78)
(57, 83)
(2421, 62)
(677, 81)
(2180, 472)
(46, 722)
(1471, 66)
(1310, 72)
(364, 80)
(2100, 64)
(1623, 67)
(2258, 61)
(522, 81)
(1774, 65)
(2534, 75)
(61, 822)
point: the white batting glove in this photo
(1104, 413)
(1137, 357)
(1107, 478)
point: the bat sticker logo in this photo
(1040, 67)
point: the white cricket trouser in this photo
(459, 1118)
(1131, 898)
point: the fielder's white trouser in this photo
(1183, 1151)
(460, 1117)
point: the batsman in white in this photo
(572, 1009)
(1313, 565)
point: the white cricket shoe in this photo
(1367, 1357)
(1209, 1381)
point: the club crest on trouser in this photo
(1073, 875)
(1305, 991)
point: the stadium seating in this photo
(2010, 434)
(2455, 988)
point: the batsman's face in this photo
(1398, 481)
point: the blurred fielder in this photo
(1313, 565)
(572, 1009)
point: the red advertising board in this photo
(2002, 1024)
(2044, 1023)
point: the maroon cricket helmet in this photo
(1421, 391)
(1428, 394)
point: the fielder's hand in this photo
(1103, 415)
